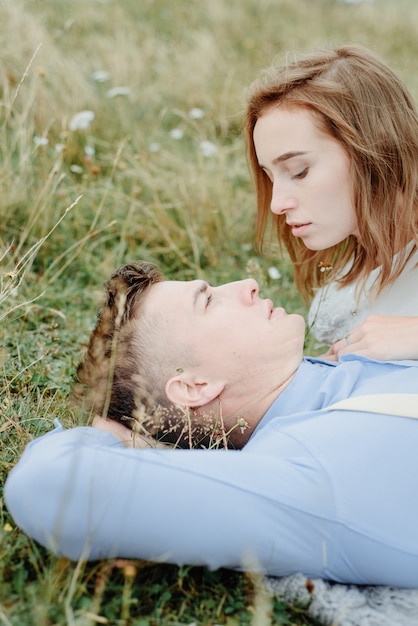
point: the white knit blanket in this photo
(349, 605)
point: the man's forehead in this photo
(167, 291)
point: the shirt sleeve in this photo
(80, 493)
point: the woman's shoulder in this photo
(401, 296)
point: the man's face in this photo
(230, 333)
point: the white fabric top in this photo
(335, 311)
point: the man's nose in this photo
(249, 290)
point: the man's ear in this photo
(186, 390)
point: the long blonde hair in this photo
(359, 101)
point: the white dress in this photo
(335, 311)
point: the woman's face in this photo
(310, 175)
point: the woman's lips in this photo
(298, 230)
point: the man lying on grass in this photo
(300, 487)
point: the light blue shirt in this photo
(331, 494)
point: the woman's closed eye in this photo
(209, 300)
(301, 174)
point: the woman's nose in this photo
(281, 200)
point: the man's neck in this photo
(241, 417)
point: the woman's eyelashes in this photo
(301, 174)
(298, 176)
(209, 300)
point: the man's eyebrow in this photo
(200, 289)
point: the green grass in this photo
(75, 204)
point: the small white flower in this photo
(242, 424)
(176, 133)
(76, 169)
(324, 267)
(246, 247)
(118, 91)
(208, 149)
(274, 273)
(154, 147)
(40, 141)
(100, 76)
(59, 147)
(89, 151)
(196, 113)
(81, 120)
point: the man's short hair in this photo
(127, 364)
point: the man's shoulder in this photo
(350, 358)
(347, 358)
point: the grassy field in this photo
(157, 171)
